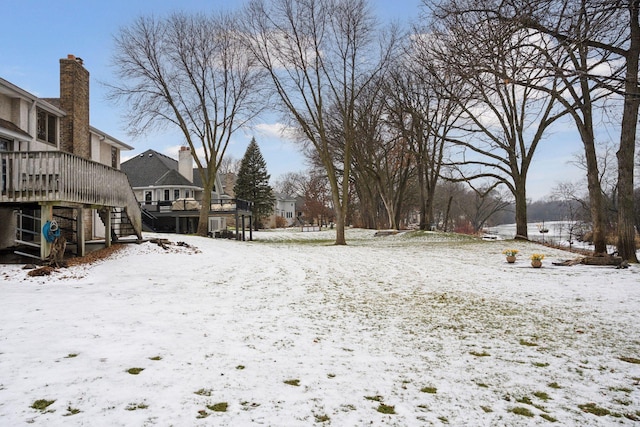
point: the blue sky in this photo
(37, 33)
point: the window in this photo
(114, 157)
(176, 194)
(147, 196)
(186, 193)
(166, 194)
(47, 127)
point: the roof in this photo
(153, 168)
(9, 128)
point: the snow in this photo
(437, 326)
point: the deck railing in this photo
(54, 176)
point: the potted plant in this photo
(536, 260)
(511, 255)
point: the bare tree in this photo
(192, 73)
(320, 55)
(595, 35)
(508, 120)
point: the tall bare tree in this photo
(320, 55)
(595, 35)
(508, 120)
(189, 72)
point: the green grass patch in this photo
(486, 409)
(519, 410)
(135, 371)
(554, 385)
(386, 409)
(71, 355)
(430, 390)
(525, 399)
(540, 364)
(203, 392)
(42, 404)
(541, 395)
(479, 354)
(548, 418)
(202, 414)
(156, 358)
(136, 406)
(630, 360)
(71, 411)
(295, 383)
(376, 398)
(594, 409)
(240, 367)
(527, 343)
(218, 407)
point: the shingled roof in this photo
(153, 168)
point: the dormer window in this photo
(47, 127)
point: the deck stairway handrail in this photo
(55, 176)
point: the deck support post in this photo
(46, 214)
(107, 227)
(81, 248)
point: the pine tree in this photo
(252, 183)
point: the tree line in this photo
(391, 117)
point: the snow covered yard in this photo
(289, 330)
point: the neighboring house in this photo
(170, 191)
(285, 208)
(58, 169)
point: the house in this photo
(284, 208)
(59, 171)
(170, 191)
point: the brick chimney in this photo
(185, 163)
(74, 100)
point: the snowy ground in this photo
(290, 330)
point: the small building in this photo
(170, 191)
(285, 209)
(58, 169)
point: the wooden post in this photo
(251, 228)
(107, 227)
(46, 214)
(81, 250)
(243, 228)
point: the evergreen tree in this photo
(252, 183)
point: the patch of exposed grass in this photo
(622, 389)
(479, 354)
(331, 375)
(486, 409)
(202, 414)
(483, 385)
(554, 385)
(218, 407)
(540, 364)
(541, 395)
(519, 410)
(525, 399)
(135, 371)
(203, 392)
(630, 360)
(376, 398)
(430, 390)
(156, 358)
(386, 409)
(240, 367)
(71, 355)
(594, 409)
(322, 418)
(42, 404)
(294, 382)
(135, 406)
(246, 405)
(71, 411)
(527, 343)
(548, 418)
